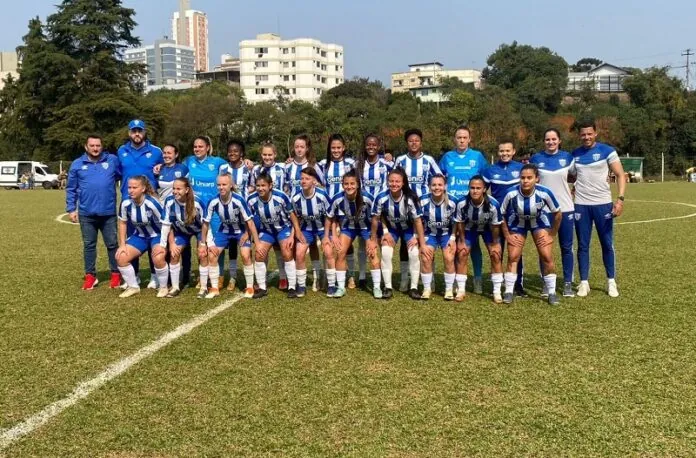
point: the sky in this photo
(381, 37)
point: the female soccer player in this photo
(555, 166)
(169, 171)
(526, 209)
(350, 213)
(236, 224)
(183, 212)
(311, 205)
(478, 214)
(274, 210)
(144, 212)
(399, 209)
(438, 219)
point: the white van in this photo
(11, 174)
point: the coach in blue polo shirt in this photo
(138, 156)
(90, 198)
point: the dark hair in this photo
(190, 201)
(332, 138)
(265, 176)
(505, 140)
(486, 199)
(233, 142)
(554, 130)
(94, 137)
(533, 167)
(177, 159)
(363, 154)
(586, 124)
(409, 193)
(205, 140)
(410, 132)
(311, 172)
(462, 127)
(359, 202)
(311, 158)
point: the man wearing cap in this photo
(138, 156)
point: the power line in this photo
(688, 54)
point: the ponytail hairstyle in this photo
(486, 199)
(363, 154)
(441, 177)
(359, 201)
(149, 190)
(190, 201)
(409, 193)
(205, 140)
(177, 157)
(311, 158)
(332, 138)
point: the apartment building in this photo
(423, 80)
(192, 32)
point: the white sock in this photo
(510, 279)
(204, 276)
(128, 274)
(162, 276)
(302, 278)
(233, 269)
(341, 279)
(403, 267)
(376, 278)
(413, 266)
(260, 272)
(497, 280)
(281, 265)
(350, 260)
(249, 275)
(461, 282)
(362, 259)
(331, 277)
(214, 275)
(292, 275)
(427, 279)
(550, 282)
(386, 262)
(316, 266)
(449, 281)
(174, 273)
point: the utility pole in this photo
(688, 53)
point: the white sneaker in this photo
(497, 298)
(162, 292)
(584, 289)
(612, 289)
(152, 284)
(425, 295)
(130, 291)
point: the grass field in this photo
(356, 377)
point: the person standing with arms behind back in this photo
(593, 204)
(90, 198)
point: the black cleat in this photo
(388, 293)
(414, 294)
(362, 284)
(520, 292)
(292, 294)
(260, 293)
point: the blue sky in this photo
(381, 37)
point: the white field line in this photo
(60, 219)
(84, 389)
(660, 219)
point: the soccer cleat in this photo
(544, 292)
(520, 291)
(232, 284)
(90, 282)
(362, 284)
(212, 293)
(260, 293)
(340, 292)
(202, 293)
(351, 283)
(162, 292)
(554, 300)
(460, 297)
(283, 284)
(301, 291)
(478, 285)
(403, 286)
(115, 281)
(130, 291)
(152, 284)
(249, 293)
(612, 289)
(508, 298)
(449, 295)
(292, 293)
(425, 295)
(568, 290)
(388, 293)
(331, 291)
(315, 283)
(174, 292)
(497, 298)
(583, 288)
(124, 285)
(377, 292)
(414, 294)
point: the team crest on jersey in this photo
(125, 154)
(563, 162)
(105, 165)
(516, 174)
(542, 165)
(84, 167)
(577, 217)
(193, 166)
(148, 155)
(472, 163)
(211, 167)
(496, 176)
(596, 156)
(177, 174)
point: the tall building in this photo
(423, 80)
(301, 69)
(8, 66)
(168, 64)
(193, 32)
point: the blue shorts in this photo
(354, 233)
(312, 236)
(143, 243)
(223, 239)
(471, 237)
(541, 224)
(275, 237)
(397, 234)
(437, 241)
(181, 239)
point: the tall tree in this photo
(585, 64)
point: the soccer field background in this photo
(355, 376)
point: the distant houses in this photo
(602, 78)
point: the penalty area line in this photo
(60, 219)
(657, 220)
(87, 387)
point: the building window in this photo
(294, 77)
(261, 91)
(286, 77)
(286, 50)
(323, 80)
(323, 54)
(294, 64)
(294, 91)
(336, 67)
(259, 64)
(292, 50)
(338, 54)
(261, 77)
(318, 78)
(261, 50)
(318, 64)
(286, 64)
(323, 67)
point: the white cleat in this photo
(425, 295)
(162, 292)
(152, 284)
(497, 298)
(612, 289)
(584, 289)
(130, 291)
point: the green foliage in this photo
(585, 64)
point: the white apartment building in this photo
(168, 64)
(423, 80)
(8, 66)
(192, 32)
(300, 69)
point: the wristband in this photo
(621, 198)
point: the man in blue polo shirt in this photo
(90, 198)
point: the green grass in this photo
(357, 377)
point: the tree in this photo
(585, 64)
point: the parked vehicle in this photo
(11, 173)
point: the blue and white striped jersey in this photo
(438, 219)
(145, 218)
(419, 171)
(293, 174)
(553, 174)
(592, 167)
(373, 177)
(175, 215)
(475, 217)
(502, 177)
(276, 171)
(345, 211)
(166, 177)
(311, 210)
(397, 214)
(528, 211)
(333, 174)
(240, 177)
(274, 213)
(233, 214)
